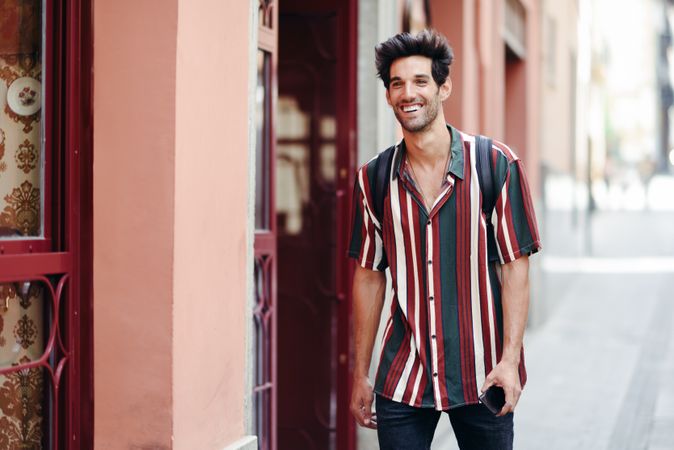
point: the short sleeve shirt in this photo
(445, 327)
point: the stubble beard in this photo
(423, 122)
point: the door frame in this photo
(347, 73)
(67, 249)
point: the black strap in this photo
(382, 180)
(485, 173)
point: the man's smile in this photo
(411, 108)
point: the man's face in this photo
(413, 94)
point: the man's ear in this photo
(446, 89)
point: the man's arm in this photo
(368, 299)
(515, 299)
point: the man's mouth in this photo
(411, 108)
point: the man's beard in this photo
(423, 121)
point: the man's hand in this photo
(362, 397)
(506, 375)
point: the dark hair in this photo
(427, 43)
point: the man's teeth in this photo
(411, 108)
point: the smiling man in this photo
(459, 269)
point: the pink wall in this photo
(456, 20)
(533, 39)
(481, 101)
(170, 216)
(134, 115)
(211, 205)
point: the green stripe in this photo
(519, 216)
(450, 311)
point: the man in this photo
(457, 320)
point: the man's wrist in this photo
(511, 357)
(359, 374)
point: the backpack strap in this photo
(382, 180)
(488, 188)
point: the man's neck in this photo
(429, 147)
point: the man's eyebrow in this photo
(419, 75)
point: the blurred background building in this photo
(175, 180)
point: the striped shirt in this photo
(444, 332)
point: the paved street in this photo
(600, 354)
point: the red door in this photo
(315, 154)
(45, 225)
(305, 157)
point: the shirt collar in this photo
(456, 162)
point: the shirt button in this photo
(430, 262)
(435, 374)
(428, 223)
(433, 337)
(431, 298)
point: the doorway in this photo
(315, 157)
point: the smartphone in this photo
(493, 398)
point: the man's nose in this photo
(408, 91)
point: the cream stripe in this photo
(405, 376)
(417, 382)
(366, 246)
(378, 247)
(431, 307)
(475, 212)
(368, 210)
(386, 330)
(415, 270)
(495, 224)
(401, 272)
(439, 197)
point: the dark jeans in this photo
(403, 427)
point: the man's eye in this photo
(422, 82)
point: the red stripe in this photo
(365, 192)
(407, 396)
(423, 310)
(463, 280)
(418, 400)
(396, 370)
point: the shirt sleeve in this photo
(365, 245)
(514, 218)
